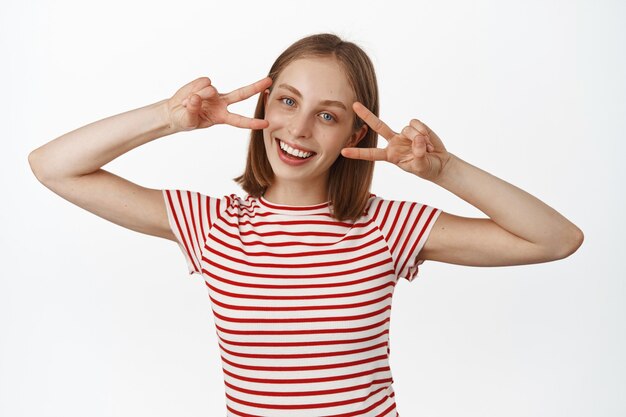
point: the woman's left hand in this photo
(417, 149)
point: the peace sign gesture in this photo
(417, 149)
(198, 105)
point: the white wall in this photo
(98, 320)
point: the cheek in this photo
(273, 117)
(341, 140)
(333, 143)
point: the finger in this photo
(193, 102)
(415, 135)
(198, 82)
(247, 91)
(204, 94)
(420, 127)
(420, 148)
(207, 92)
(368, 154)
(374, 122)
(431, 137)
(238, 120)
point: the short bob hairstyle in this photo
(349, 179)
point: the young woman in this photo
(301, 271)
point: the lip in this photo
(290, 161)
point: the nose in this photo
(299, 125)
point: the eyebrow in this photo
(323, 102)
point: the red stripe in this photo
(390, 408)
(377, 211)
(301, 308)
(279, 244)
(308, 380)
(419, 237)
(401, 235)
(296, 286)
(308, 406)
(180, 232)
(240, 413)
(305, 393)
(302, 265)
(305, 367)
(237, 236)
(209, 218)
(304, 355)
(206, 199)
(302, 297)
(383, 222)
(250, 207)
(184, 215)
(338, 319)
(393, 227)
(303, 276)
(362, 412)
(351, 414)
(296, 254)
(308, 343)
(406, 237)
(297, 222)
(194, 240)
(307, 331)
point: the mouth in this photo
(292, 152)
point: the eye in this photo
(330, 117)
(288, 101)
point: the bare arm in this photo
(521, 229)
(70, 165)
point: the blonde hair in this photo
(349, 179)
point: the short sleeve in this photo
(405, 226)
(191, 216)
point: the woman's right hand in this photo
(199, 105)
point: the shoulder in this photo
(384, 210)
(372, 201)
(375, 203)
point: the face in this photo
(310, 110)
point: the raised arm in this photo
(70, 165)
(521, 229)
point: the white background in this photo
(97, 320)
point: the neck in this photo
(294, 193)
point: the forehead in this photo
(318, 78)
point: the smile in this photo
(300, 153)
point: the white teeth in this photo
(294, 152)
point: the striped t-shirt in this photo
(301, 301)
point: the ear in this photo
(266, 95)
(356, 137)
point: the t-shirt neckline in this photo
(294, 210)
